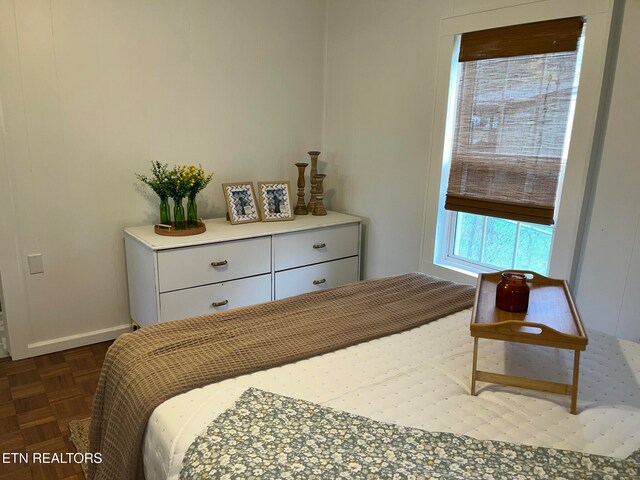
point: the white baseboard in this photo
(73, 341)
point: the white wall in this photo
(608, 287)
(92, 92)
(379, 100)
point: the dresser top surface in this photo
(220, 230)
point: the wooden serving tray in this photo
(171, 231)
(552, 319)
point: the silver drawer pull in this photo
(220, 304)
(319, 282)
(320, 245)
(219, 264)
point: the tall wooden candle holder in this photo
(311, 206)
(319, 208)
(301, 208)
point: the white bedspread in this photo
(421, 378)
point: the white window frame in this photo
(570, 198)
(447, 240)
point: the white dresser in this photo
(231, 266)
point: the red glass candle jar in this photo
(512, 293)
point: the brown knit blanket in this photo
(145, 368)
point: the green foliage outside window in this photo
(503, 243)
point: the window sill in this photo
(454, 272)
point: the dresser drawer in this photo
(314, 246)
(316, 277)
(192, 266)
(214, 298)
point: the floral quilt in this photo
(269, 436)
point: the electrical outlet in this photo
(35, 263)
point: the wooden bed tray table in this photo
(551, 320)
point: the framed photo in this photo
(241, 202)
(275, 201)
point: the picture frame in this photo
(241, 202)
(275, 201)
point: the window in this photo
(495, 242)
(514, 92)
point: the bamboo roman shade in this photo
(514, 96)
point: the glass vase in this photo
(165, 211)
(178, 214)
(192, 211)
(512, 293)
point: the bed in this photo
(418, 377)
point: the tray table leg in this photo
(574, 385)
(475, 366)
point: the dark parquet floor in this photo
(38, 398)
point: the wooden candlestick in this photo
(312, 180)
(301, 208)
(319, 208)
